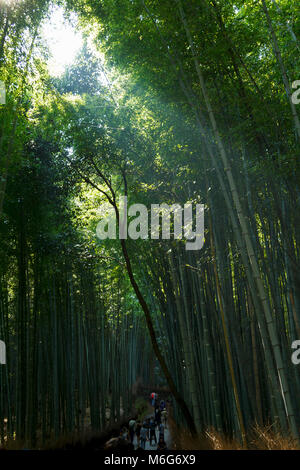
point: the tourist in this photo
(161, 444)
(147, 425)
(138, 432)
(132, 425)
(157, 416)
(164, 416)
(144, 436)
(124, 433)
(162, 405)
(152, 431)
(161, 429)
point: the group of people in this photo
(146, 431)
(161, 413)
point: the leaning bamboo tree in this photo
(111, 197)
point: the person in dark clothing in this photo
(161, 429)
(144, 436)
(138, 432)
(162, 405)
(161, 444)
(131, 428)
(147, 425)
(157, 416)
(152, 431)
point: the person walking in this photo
(152, 398)
(164, 417)
(161, 444)
(147, 426)
(162, 405)
(132, 425)
(144, 436)
(152, 431)
(157, 416)
(124, 434)
(161, 429)
(138, 432)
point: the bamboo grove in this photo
(195, 104)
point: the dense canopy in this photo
(167, 102)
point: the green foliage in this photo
(67, 310)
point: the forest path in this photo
(167, 436)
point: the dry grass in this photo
(268, 438)
(259, 438)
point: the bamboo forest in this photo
(149, 224)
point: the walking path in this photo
(167, 436)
